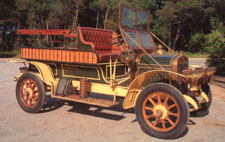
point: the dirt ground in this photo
(65, 121)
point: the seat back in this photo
(99, 37)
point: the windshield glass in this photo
(145, 39)
(142, 21)
(129, 21)
(134, 37)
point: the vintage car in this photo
(163, 89)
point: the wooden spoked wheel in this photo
(161, 111)
(29, 93)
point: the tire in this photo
(162, 111)
(204, 107)
(30, 92)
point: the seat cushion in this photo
(104, 56)
(99, 37)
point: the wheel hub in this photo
(30, 92)
(160, 111)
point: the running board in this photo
(89, 100)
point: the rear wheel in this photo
(30, 92)
(162, 111)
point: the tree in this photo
(7, 24)
(102, 8)
(216, 48)
(177, 19)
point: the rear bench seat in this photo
(98, 39)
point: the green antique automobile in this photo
(163, 89)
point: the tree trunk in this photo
(47, 29)
(97, 19)
(106, 16)
(177, 35)
(3, 37)
(76, 17)
(42, 23)
(170, 35)
(18, 23)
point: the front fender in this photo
(135, 87)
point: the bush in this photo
(216, 48)
(109, 24)
(197, 42)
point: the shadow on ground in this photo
(116, 113)
(113, 113)
(51, 104)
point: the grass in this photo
(7, 54)
(191, 55)
(196, 55)
(10, 54)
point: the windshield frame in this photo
(135, 18)
(152, 46)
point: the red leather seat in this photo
(98, 39)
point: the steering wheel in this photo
(119, 41)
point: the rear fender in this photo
(45, 74)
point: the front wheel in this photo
(30, 92)
(162, 111)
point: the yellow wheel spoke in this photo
(171, 106)
(149, 108)
(29, 101)
(165, 102)
(163, 124)
(24, 89)
(25, 99)
(28, 83)
(159, 99)
(153, 103)
(169, 120)
(150, 116)
(173, 114)
(156, 121)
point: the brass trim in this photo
(108, 66)
(80, 76)
(127, 78)
(120, 63)
(103, 76)
(150, 69)
(143, 64)
(174, 65)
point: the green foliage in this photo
(177, 20)
(188, 25)
(111, 25)
(196, 43)
(7, 54)
(216, 48)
